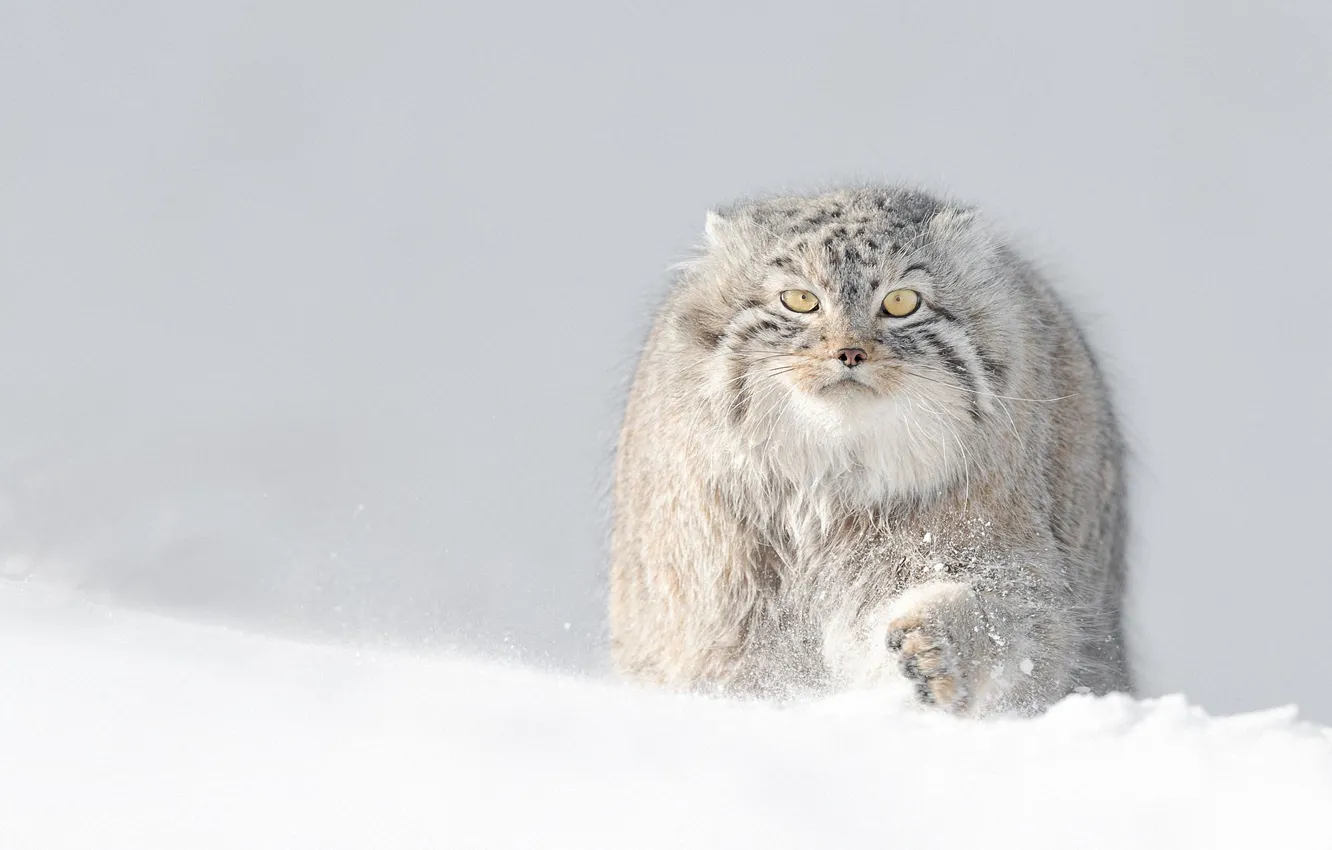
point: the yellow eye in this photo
(901, 302)
(800, 300)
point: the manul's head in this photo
(868, 316)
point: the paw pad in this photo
(928, 661)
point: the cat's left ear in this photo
(964, 227)
(955, 220)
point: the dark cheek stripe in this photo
(739, 386)
(743, 331)
(945, 312)
(994, 368)
(956, 365)
(997, 371)
(700, 331)
(901, 343)
(924, 322)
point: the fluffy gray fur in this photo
(950, 510)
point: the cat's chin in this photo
(848, 390)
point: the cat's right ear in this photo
(726, 236)
(729, 237)
(718, 229)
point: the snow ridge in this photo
(125, 730)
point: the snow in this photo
(121, 729)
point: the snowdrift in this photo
(125, 730)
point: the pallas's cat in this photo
(865, 440)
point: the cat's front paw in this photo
(927, 630)
(928, 658)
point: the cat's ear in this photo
(962, 226)
(727, 236)
(718, 229)
(955, 220)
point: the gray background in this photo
(315, 318)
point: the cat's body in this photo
(811, 498)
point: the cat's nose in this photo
(852, 356)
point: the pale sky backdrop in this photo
(315, 318)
